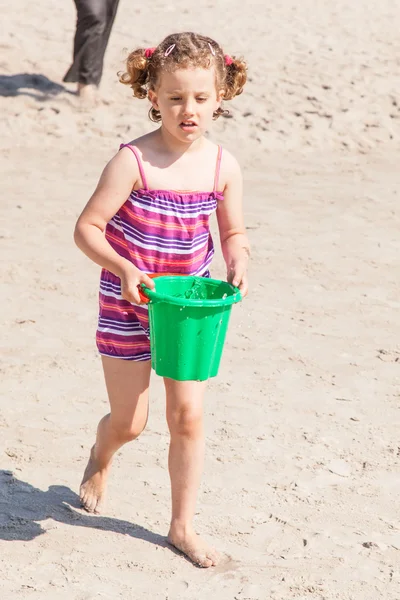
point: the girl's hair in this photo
(180, 51)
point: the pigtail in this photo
(137, 73)
(236, 77)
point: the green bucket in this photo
(188, 319)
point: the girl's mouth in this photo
(188, 125)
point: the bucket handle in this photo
(142, 296)
(145, 299)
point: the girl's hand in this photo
(131, 278)
(237, 276)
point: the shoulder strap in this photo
(139, 162)
(217, 169)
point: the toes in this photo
(202, 559)
(98, 509)
(204, 562)
(83, 499)
(88, 501)
(91, 503)
(89, 506)
(82, 494)
(210, 558)
(200, 556)
(214, 557)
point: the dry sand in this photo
(301, 486)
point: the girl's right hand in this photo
(131, 278)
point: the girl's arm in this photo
(234, 243)
(114, 187)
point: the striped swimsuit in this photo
(159, 231)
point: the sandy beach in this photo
(302, 478)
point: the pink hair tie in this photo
(228, 60)
(149, 52)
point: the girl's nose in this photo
(188, 109)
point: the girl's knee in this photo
(185, 407)
(127, 432)
(187, 422)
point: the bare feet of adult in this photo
(88, 94)
(93, 486)
(188, 542)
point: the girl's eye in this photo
(175, 99)
(201, 99)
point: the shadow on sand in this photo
(33, 85)
(23, 506)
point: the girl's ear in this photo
(152, 96)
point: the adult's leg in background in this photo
(95, 19)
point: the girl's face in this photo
(186, 99)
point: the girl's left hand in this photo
(237, 276)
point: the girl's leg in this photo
(186, 456)
(127, 386)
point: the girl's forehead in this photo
(190, 78)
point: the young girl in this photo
(149, 215)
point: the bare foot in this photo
(93, 486)
(88, 95)
(199, 552)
